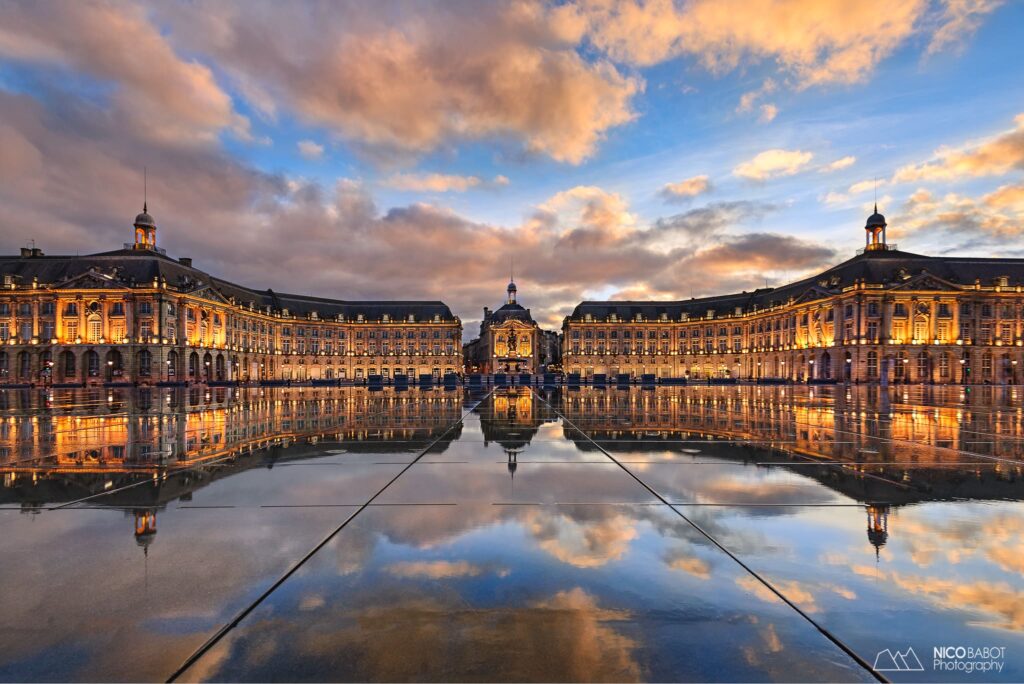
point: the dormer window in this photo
(412, 318)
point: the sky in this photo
(614, 149)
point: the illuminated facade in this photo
(882, 316)
(135, 315)
(510, 340)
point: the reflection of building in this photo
(509, 341)
(136, 315)
(884, 315)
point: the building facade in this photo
(509, 341)
(135, 315)
(882, 316)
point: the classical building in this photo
(137, 315)
(509, 341)
(882, 316)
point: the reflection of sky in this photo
(627, 589)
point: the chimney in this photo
(185, 261)
(36, 252)
(26, 252)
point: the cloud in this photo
(993, 157)
(155, 93)
(959, 21)
(439, 182)
(1006, 196)
(310, 149)
(768, 113)
(685, 189)
(750, 98)
(772, 164)
(810, 43)
(838, 164)
(407, 83)
(71, 168)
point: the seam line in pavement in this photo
(227, 627)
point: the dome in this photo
(144, 220)
(512, 287)
(876, 220)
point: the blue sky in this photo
(410, 149)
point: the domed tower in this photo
(145, 230)
(511, 292)
(874, 232)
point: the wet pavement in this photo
(722, 533)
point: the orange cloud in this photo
(772, 164)
(813, 41)
(691, 187)
(993, 157)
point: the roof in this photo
(131, 267)
(508, 312)
(888, 267)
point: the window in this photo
(944, 310)
(145, 308)
(872, 365)
(5, 309)
(873, 309)
(899, 309)
(117, 309)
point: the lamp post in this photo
(110, 370)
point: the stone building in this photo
(882, 316)
(509, 341)
(135, 315)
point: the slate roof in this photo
(137, 267)
(888, 268)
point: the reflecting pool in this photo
(726, 533)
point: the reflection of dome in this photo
(145, 528)
(878, 526)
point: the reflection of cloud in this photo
(680, 559)
(440, 569)
(998, 599)
(582, 543)
(792, 590)
(564, 637)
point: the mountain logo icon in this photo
(900, 661)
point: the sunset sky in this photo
(615, 149)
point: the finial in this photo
(876, 207)
(145, 191)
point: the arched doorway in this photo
(172, 365)
(193, 366)
(67, 366)
(144, 363)
(207, 366)
(115, 365)
(847, 366)
(219, 367)
(92, 363)
(5, 364)
(825, 371)
(24, 366)
(924, 367)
